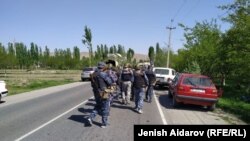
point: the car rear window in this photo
(197, 81)
(162, 71)
(88, 69)
(173, 72)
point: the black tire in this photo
(82, 79)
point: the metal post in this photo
(169, 40)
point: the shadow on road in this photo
(90, 104)
(118, 104)
(82, 110)
(166, 102)
(160, 88)
(79, 118)
(83, 119)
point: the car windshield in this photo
(197, 81)
(88, 69)
(162, 71)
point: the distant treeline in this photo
(19, 56)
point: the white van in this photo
(3, 90)
(163, 76)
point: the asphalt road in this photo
(59, 114)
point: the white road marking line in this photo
(160, 110)
(47, 123)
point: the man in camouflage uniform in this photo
(101, 84)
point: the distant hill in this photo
(137, 56)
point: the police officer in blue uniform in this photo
(101, 84)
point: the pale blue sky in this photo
(135, 24)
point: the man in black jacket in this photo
(139, 85)
(151, 79)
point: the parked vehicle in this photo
(3, 89)
(163, 76)
(86, 72)
(194, 89)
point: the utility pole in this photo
(169, 39)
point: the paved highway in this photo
(59, 114)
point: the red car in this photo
(194, 89)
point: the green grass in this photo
(34, 85)
(19, 81)
(232, 102)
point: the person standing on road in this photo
(151, 79)
(114, 78)
(102, 84)
(126, 79)
(97, 97)
(139, 85)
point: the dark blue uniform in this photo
(101, 82)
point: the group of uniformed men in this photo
(109, 84)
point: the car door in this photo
(173, 84)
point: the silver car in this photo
(86, 72)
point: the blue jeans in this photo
(149, 93)
(139, 94)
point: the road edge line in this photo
(160, 111)
(52, 120)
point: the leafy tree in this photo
(106, 51)
(20, 54)
(3, 55)
(111, 50)
(160, 57)
(87, 38)
(202, 44)
(11, 55)
(121, 50)
(236, 42)
(130, 54)
(151, 54)
(76, 53)
(193, 68)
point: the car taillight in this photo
(214, 91)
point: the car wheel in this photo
(175, 103)
(212, 107)
(82, 79)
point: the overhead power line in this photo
(178, 11)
